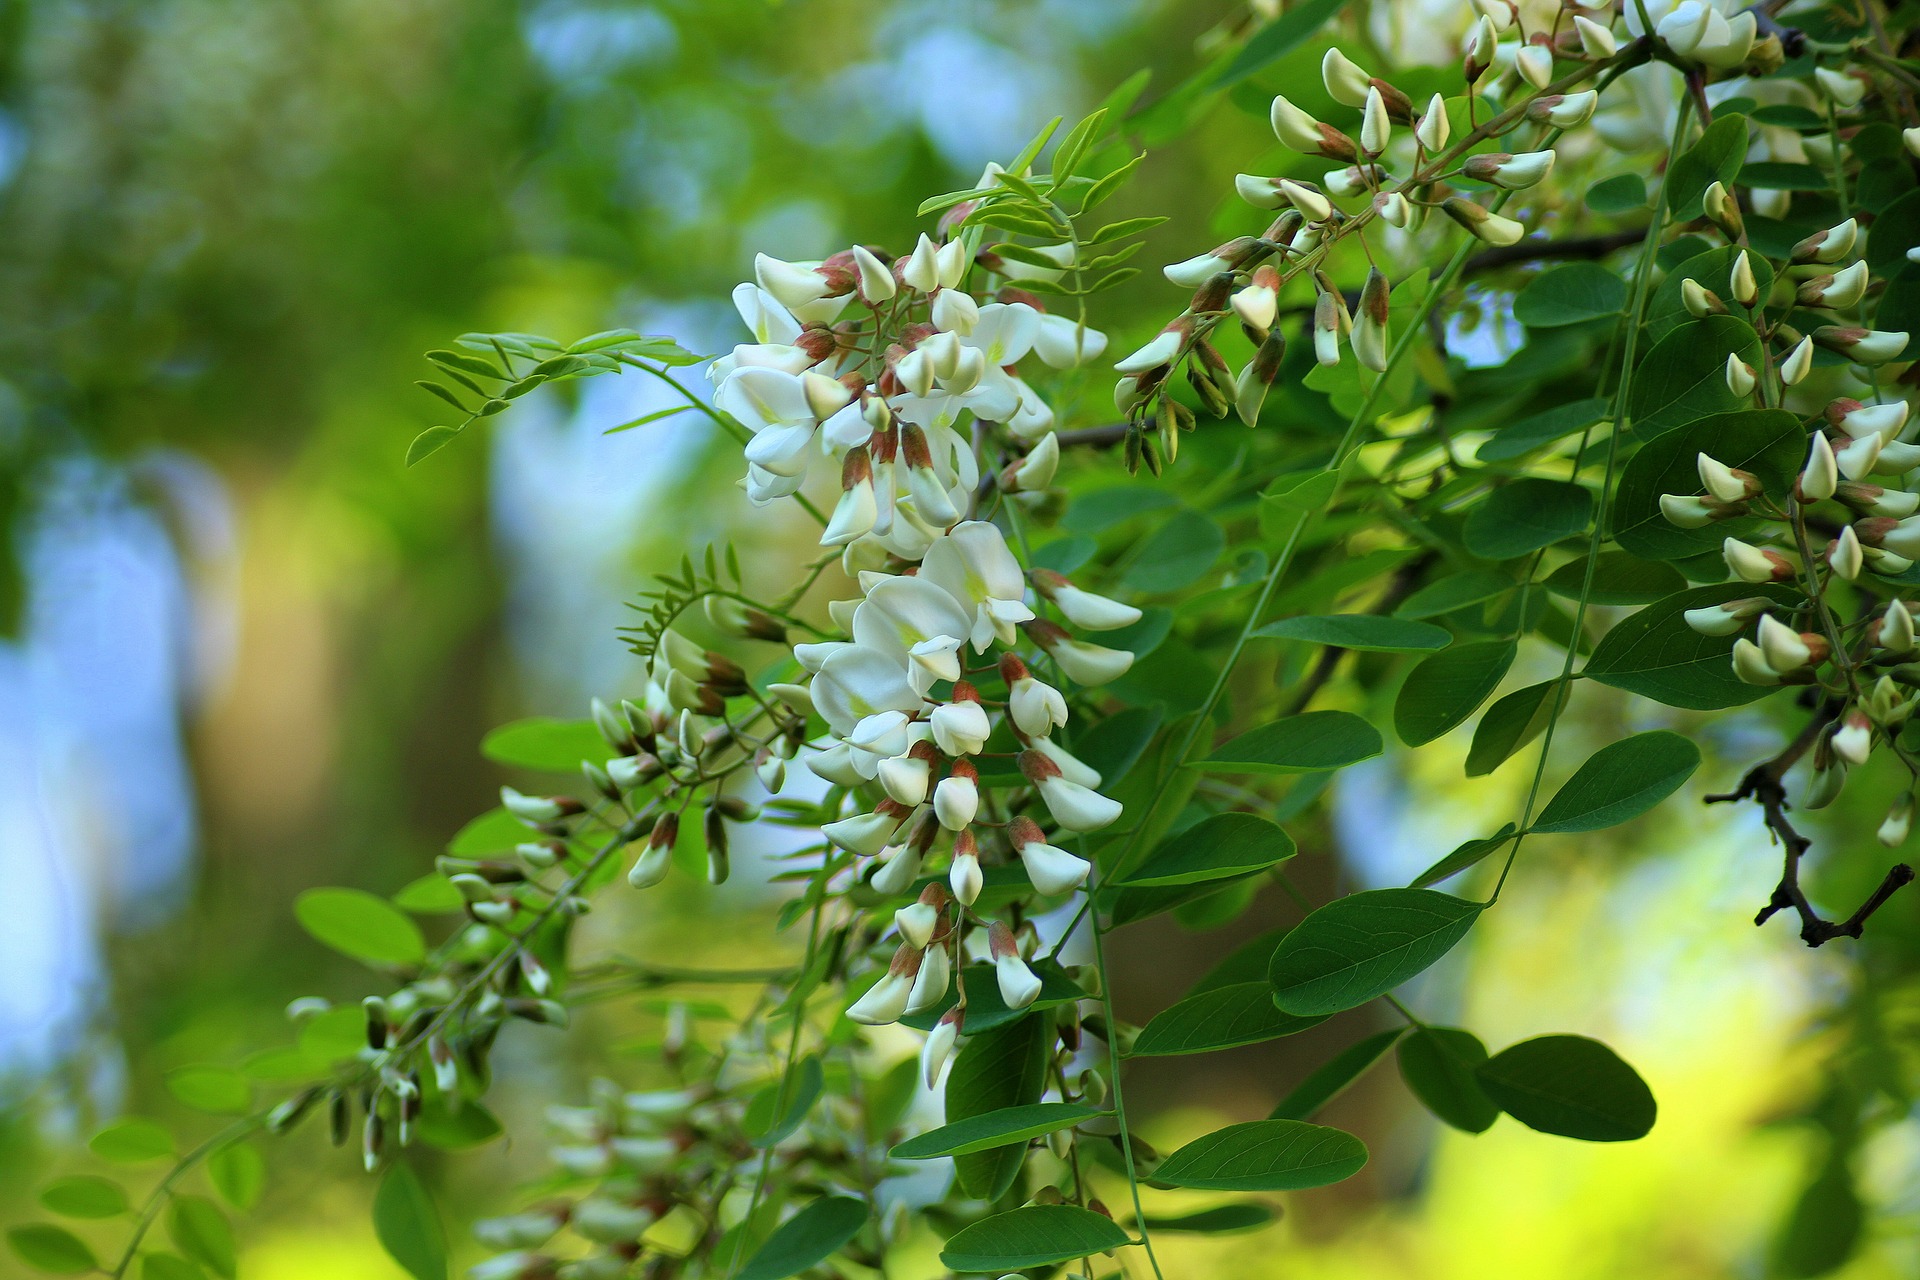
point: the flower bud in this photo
(1845, 90)
(1867, 346)
(1857, 420)
(1156, 354)
(1830, 245)
(1563, 111)
(916, 922)
(886, 999)
(1074, 807)
(1477, 51)
(1898, 822)
(964, 877)
(1304, 134)
(1330, 326)
(1894, 632)
(1488, 227)
(1687, 511)
(1370, 325)
(1725, 483)
(1726, 618)
(1798, 362)
(1781, 645)
(1822, 474)
(1873, 500)
(1597, 41)
(1700, 302)
(1261, 193)
(1375, 128)
(1844, 554)
(1434, 128)
(931, 983)
(1308, 201)
(864, 833)
(1755, 564)
(939, 1046)
(1724, 211)
(1853, 740)
(1083, 663)
(1740, 376)
(1857, 458)
(1841, 290)
(1750, 665)
(537, 810)
(1052, 870)
(956, 800)
(1019, 985)
(1534, 63)
(1346, 83)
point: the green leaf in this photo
(198, 1229)
(1621, 193)
(1823, 1228)
(238, 1173)
(1618, 578)
(1714, 158)
(806, 1239)
(1621, 781)
(216, 1090)
(132, 1141)
(359, 925)
(1438, 1064)
(1510, 724)
(409, 1226)
(1363, 946)
(1455, 591)
(430, 442)
(1333, 1077)
(1177, 554)
(1520, 518)
(1713, 270)
(1657, 655)
(1469, 854)
(84, 1196)
(1216, 848)
(1570, 294)
(1362, 631)
(169, 1266)
(1001, 1068)
(431, 895)
(457, 1129)
(994, 1129)
(45, 1247)
(1570, 1086)
(1038, 1235)
(555, 746)
(1894, 232)
(1684, 376)
(1279, 38)
(1113, 746)
(495, 831)
(1311, 743)
(1520, 438)
(1218, 1018)
(1264, 1155)
(1770, 443)
(776, 1111)
(1446, 688)
(1215, 1221)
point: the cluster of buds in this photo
(1395, 170)
(872, 363)
(908, 723)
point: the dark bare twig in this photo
(1537, 250)
(1763, 786)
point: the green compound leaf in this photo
(994, 1129)
(55, 1250)
(1570, 1086)
(1038, 1235)
(132, 1141)
(1438, 1064)
(1446, 688)
(215, 1090)
(1216, 1221)
(1510, 724)
(1621, 781)
(1002, 1068)
(198, 1229)
(359, 925)
(1520, 518)
(409, 1226)
(1684, 376)
(1311, 743)
(1657, 655)
(1363, 946)
(1217, 848)
(1219, 1018)
(806, 1239)
(1571, 294)
(1264, 1155)
(1362, 631)
(1716, 157)
(85, 1196)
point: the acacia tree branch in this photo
(1762, 784)
(1539, 250)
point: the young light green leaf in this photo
(431, 895)
(169, 1266)
(1278, 38)
(238, 1173)
(1038, 1235)
(1363, 946)
(1571, 293)
(1621, 781)
(409, 1226)
(131, 1141)
(216, 1090)
(198, 1229)
(1362, 631)
(430, 442)
(1570, 1086)
(1621, 193)
(1520, 518)
(807, 1239)
(55, 1250)
(359, 925)
(777, 1110)
(1218, 1018)
(1216, 848)
(1332, 1078)
(1445, 689)
(994, 1129)
(555, 746)
(1264, 1155)
(84, 1196)
(1309, 743)
(1438, 1064)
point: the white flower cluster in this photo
(874, 366)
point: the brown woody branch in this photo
(1762, 784)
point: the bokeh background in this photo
(246, 651)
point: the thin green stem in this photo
(1119, 1098)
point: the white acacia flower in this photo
(1063, 342)
(960, 728)
(855, 682)
(1019, 985)
(887, 999)
(765, 318)
(919, 624)
(1036, 707)
(1053, 870)
(973, 564)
